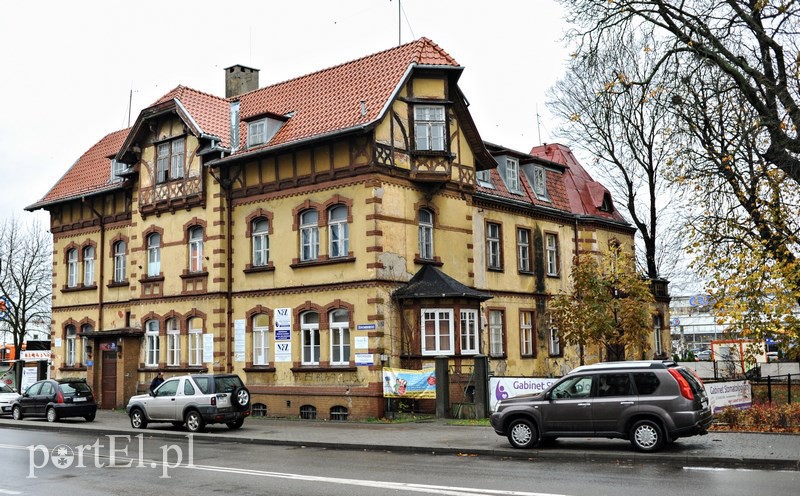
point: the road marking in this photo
(8, 491)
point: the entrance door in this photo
(108, 397)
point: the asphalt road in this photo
(84, 463)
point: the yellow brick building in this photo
(276, 233)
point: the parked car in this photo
(56, 399)
(8, 396)
(703, 355)
(647, 402)
(193, 400)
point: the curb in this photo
(626, 459)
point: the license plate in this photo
(222, 401)
(79, 398)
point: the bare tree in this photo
(26, 270)
(630, 132)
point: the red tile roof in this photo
(584, 193)
(211, 113)
(91, 173)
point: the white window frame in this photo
(71, 344)
(173, 343)
(309, 337)
(496, 324)
(493, 235)
(88, 266)
(551, 251)
(338, 232)
(196, 249)
(260, 339)
(162, 162)
(309, 235)
(526, 336)
(484, 178)
(469, 332)
(177, 159)
(120, 258)
(195, 342)
(116, 169)
(512, 175)
(554, 346)
(430, 128)
(152, 343)
(72, 268)
(153, 255)
(540, 183)
(658, 345)
(260, 240)
(425, 234)
(257, 132)
(523, 249)
(443, 336)
(340, 337)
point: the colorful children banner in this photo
(402, 383)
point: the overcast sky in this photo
(68, 68)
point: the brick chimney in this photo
(240, 79)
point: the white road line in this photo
(8, 491)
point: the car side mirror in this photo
(153, 394)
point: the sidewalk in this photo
(717, 449)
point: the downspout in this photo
(581, 350)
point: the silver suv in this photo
(648, 402)
(194, 400)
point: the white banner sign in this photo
(501, 388)
(736, 394)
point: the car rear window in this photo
(227, 384)
(74, 387)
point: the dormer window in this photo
(117, 168)
(540, 183)
(605, 206)
(261, 131)
(512, 175)
(429, 127)
(171, 160)
(484, 178)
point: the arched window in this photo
(195, 341)
(338, 412)
(658, 346)
(425, 234)
(72, 268)
(196, 249)
(309, 328)
(309, 235)
(119, 261)
(260, 242)
(173, 343)
(340, 337)
(308, 412)
(85, 329)
(88, 266)
(260, 339)
(72, 337)
(338, 232)
(151, 347)
(153, 255)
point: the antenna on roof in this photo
(538, 124)
(130, 104)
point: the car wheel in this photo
(646, 436)
(16, 413)
(235, 424)
(240, 397)
(90, 417)
(52, 416)
(138, 420)
(522, 434)
(194, 421)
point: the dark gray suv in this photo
(193, 400)
(648, 402)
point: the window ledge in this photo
(146, 279)
(194, 275)
(117, 284)
(80, 287)
(554, 276)
(433, 153)
(526, 273)
(498, 357)
(327, 261)
(191, 369)
(312, 368)
(259, 368)
(73, 368)
(495, 269)
(254, 269)
(427, 261)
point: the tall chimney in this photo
(240, 79)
